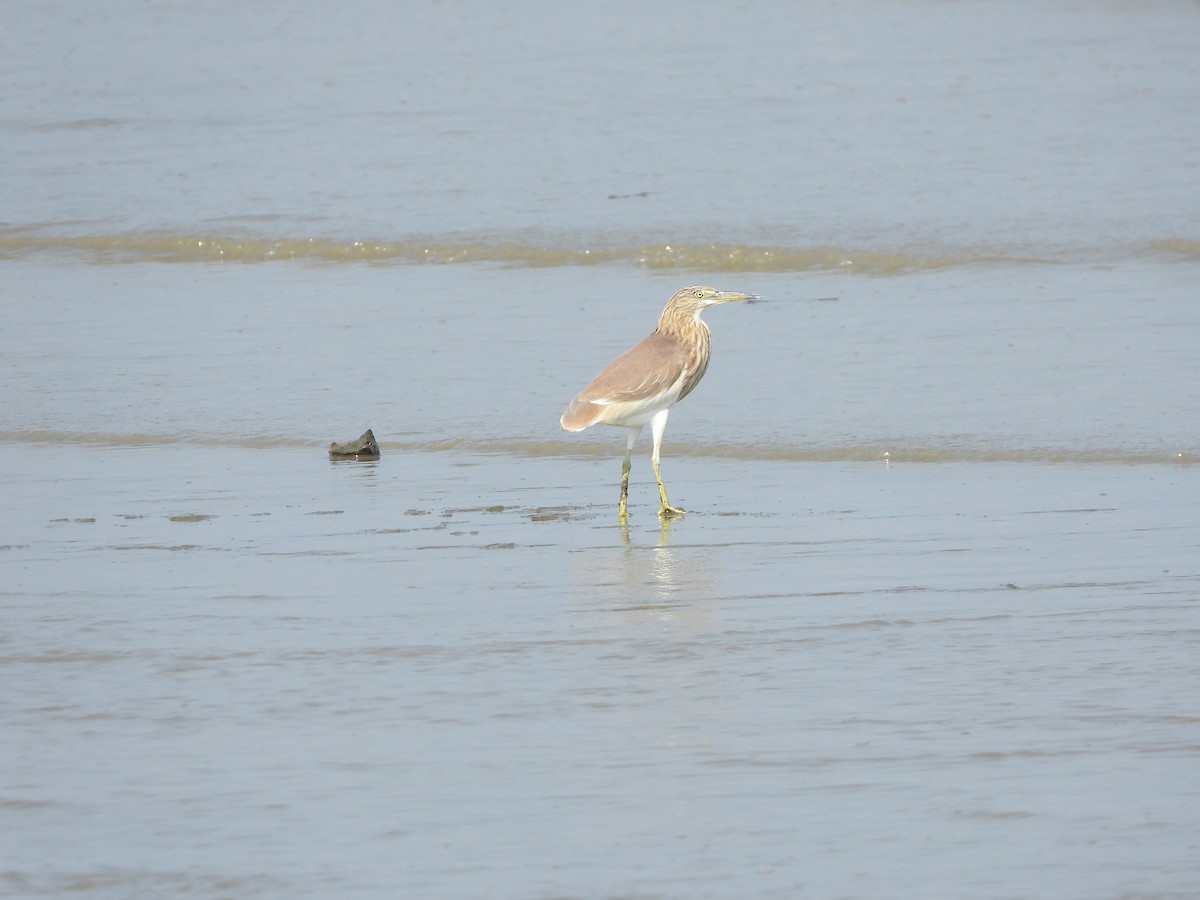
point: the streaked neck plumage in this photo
(683, 324)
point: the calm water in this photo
(929, 628)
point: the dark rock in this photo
(364, 448)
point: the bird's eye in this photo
(699, 293)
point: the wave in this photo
(882, 452)
(117, 249)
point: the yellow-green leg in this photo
(657, 426)
(668, 511)
(623, 508)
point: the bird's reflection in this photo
(660, 561)
(646, 572)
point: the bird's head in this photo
(691, 301)
(682, 312)
(704, 297)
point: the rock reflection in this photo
(365, 471)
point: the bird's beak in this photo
(730, 296)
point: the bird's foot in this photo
(671, 512)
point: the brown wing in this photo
(642, 373)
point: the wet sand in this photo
(453, 674)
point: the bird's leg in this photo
(667, 511)
(623, 508)
(657, 426)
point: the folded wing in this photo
(644, 379)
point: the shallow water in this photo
(1081, 363)
(929, 626)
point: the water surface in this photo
(929, 626)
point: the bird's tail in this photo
(579, 415)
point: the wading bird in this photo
(642, 384)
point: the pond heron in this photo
(642, 384)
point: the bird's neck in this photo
(691, 334)
(684, 326)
